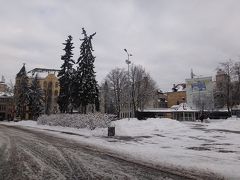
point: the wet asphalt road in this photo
(29, 154)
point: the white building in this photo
(199, 91)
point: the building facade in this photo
(6, 106)
(51, 89)
(49, 84)
(159, 100)
(177, 95)
(199, 91)
(6, 102)
(176, 98)
(181, 112)
(220, 89)
(3, 86)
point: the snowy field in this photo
(212, 147)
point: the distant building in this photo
(6, 102)
(221, 77)
(177, 96)
(158, 100)
(181, 112)
(3, 85)
(220, 88)
(124, 110)
(48, 82)
(105, 99)
(199, 91)
(6, 106)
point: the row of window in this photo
(187, 116)
(5, 99)
(2, 108)
(125, 115)
(50, 85)
(49, 93)
(125, 106)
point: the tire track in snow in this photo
(39, 155)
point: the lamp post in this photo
(128, 62)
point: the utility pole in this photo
(128, 62)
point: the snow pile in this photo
(182, 107)
(90, 121)
(6, 94)
(211, 147)
(134, 127)
(231, 124)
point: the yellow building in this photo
(3, 85)
(176, 98)
(6, 102)
(178, 95)
(48, 82)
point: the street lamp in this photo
(128, 62)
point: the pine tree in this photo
(35, 99)
(85, 84)
(22, 98)
(65, 77)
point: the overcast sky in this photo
(167, 37)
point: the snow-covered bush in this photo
(90, 121)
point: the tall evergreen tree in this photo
(36, 100)
(65, 77)
(22, 94)
(85, 84)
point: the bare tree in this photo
(142, 87)
(107, 98)
(236, 83)
(226, 88)
(203, 101)
(10, 87)
(117, 84)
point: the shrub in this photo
(90, 121)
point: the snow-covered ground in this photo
(206, 147)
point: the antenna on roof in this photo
(3, 79)
(192, 74)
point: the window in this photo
(56, 93)
(45, 85)
(50, 85)
(188, 116)
(2, 108)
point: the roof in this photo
(183, 107)
(42, 73)
(236, 107)
(158, 110)
(40, 70)
(5, 94)
(181, 87)
(22, 71)
(199, 78)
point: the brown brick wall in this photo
(175, 98)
